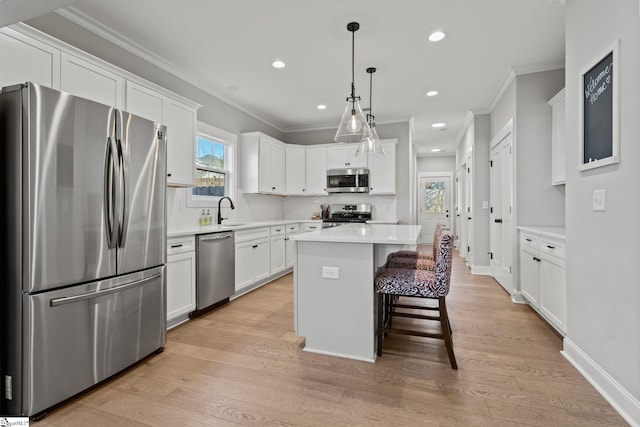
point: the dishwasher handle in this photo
(215, 237)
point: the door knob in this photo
(498, 220)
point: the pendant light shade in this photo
(371, 144)
(353, 125)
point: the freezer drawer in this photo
(82, 335)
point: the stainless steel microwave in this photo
(348, 180)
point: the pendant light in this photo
(353, 125)
(371, 144)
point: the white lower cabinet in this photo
(181, 279)
(290, 246)
(278, 249)
(252, 256)
(543, 277)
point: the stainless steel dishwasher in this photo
(215, 270)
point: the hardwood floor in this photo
(243, 365)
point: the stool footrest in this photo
(417, 307)
(415, 316)
(412, 332)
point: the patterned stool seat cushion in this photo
(413, 254)
(410, 282)
(419, 263)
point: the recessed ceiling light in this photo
(436, 36)
(432, 93)
(438, 125)
(321, 107)
(278, 64)
(436, 150)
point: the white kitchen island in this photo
(334, 299)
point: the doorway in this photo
(501, 214)
(434, 202)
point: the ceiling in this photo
(226, 48)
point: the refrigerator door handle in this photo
(67, 300)
(109, 194)
(123, 209)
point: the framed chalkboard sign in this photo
(599, 98)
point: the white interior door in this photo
(434, 203)
(501, 215)
(461, 214)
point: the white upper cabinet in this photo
(42, 59)
(316, 171)
(295, 180)
(344, 156)
(262, 164)
(558, 145)
(382, 170)
(144, 102)
(180, 120)
(27, 60)
(89, 80)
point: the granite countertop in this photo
(559, 232)
(364, 233)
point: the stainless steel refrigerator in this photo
(82, 294)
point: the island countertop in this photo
(393, 234)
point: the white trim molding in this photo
(622, 401)
(481, 270)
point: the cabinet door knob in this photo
(254, 246)
(168, 174)
(498, 220)
(551, 247)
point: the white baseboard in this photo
(518, 298)
(481, 270)
(622, 401)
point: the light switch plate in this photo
(599, 200)
(330, 272)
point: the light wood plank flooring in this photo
(243, 365)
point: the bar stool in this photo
(391, 283)
(423, 254)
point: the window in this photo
(214, 166)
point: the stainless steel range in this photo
(340, 214)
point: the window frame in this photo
(230, 141)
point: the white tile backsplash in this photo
(302, 207)
(261, 207)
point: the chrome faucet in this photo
(220, 212)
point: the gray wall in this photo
(603, 273)
(537, 201)
(504, 110)
(436, 164)
(481, 170)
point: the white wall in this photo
(504, 110)
(603, 273)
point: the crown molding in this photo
(467, 122)
(85, 21)
(335, 126)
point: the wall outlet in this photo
(330, 272)
(485, 204)
(599, 199)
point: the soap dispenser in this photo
(203, 218)
(209, 219)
